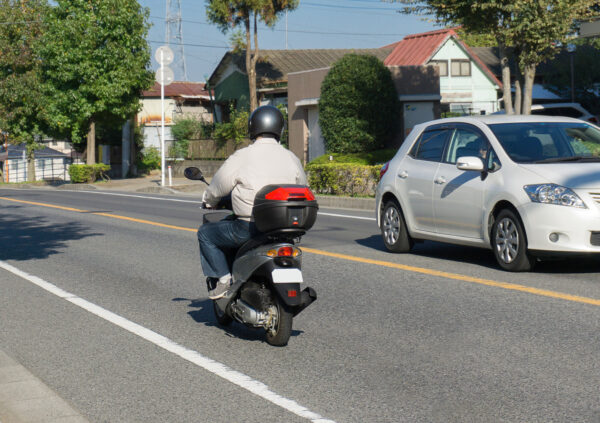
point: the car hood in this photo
(572, 175)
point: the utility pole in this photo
(174, 37)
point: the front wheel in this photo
(280, 330)
(510, 244)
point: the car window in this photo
(466, 142)
(430, 145)
(548, 141)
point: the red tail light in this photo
(292, 293)
(593, 119)
(286, 194)
(384, 169)
(285, 252)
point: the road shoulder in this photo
(24, 398)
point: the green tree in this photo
(358, 108)
(230, 14)
(533, 29)
(21, 99)
(95, 65)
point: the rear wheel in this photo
(393, 229)
(280, 330)
(509, 243)
(223, 318)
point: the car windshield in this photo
(548, 142)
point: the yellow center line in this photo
(414, 269)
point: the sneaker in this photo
(219, 291)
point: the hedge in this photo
(87, 173)
(343, 179)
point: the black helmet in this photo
(265, 120)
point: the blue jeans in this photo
(217, 239)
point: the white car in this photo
(524, 186)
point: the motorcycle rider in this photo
(243, 174)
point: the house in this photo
(181, 99)
(467, 85)
(50, 164)
(418, 90)
(230, 81)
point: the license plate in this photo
(287, 276)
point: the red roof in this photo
(418, 49)
(178, 89)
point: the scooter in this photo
(266, 270)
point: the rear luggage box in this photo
(284, 207)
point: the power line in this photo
(361, 34)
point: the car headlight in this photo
(554, 194)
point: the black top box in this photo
(287, 207)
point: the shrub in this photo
(369, 158)
(359, 107)
(148, 159)
(343, 179)
(236, 129)
(80, 173)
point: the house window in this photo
(461, 67)
(442, 66)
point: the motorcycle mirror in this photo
(194, 174)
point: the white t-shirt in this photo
(245, 172)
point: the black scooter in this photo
(267, 277)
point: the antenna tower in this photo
(174, 37)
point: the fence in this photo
(211, 149)
(46, 169)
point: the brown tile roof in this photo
(274, 65)
(178, 89)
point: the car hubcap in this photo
(391, 225)
(507, 240)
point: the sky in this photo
(314, 24)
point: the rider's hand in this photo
(205, 205)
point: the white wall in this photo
(477, 90)
(45, 169)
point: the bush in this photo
(88, 173)
(148, 159)
(191, 128)
(343, 179)
(370, 158)
(236, 129)
(359, 108)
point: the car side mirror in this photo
(470, 163)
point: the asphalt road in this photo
(110, 312)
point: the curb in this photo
(26, 399)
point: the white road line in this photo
(349, 217)
(254, 386)
(140, 196)
(193, 202)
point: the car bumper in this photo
(555, 228)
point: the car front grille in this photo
(595, 196)
(595, 238)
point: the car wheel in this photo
(509, 243)
(393, 229)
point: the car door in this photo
(458, 194)
(414, 179)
